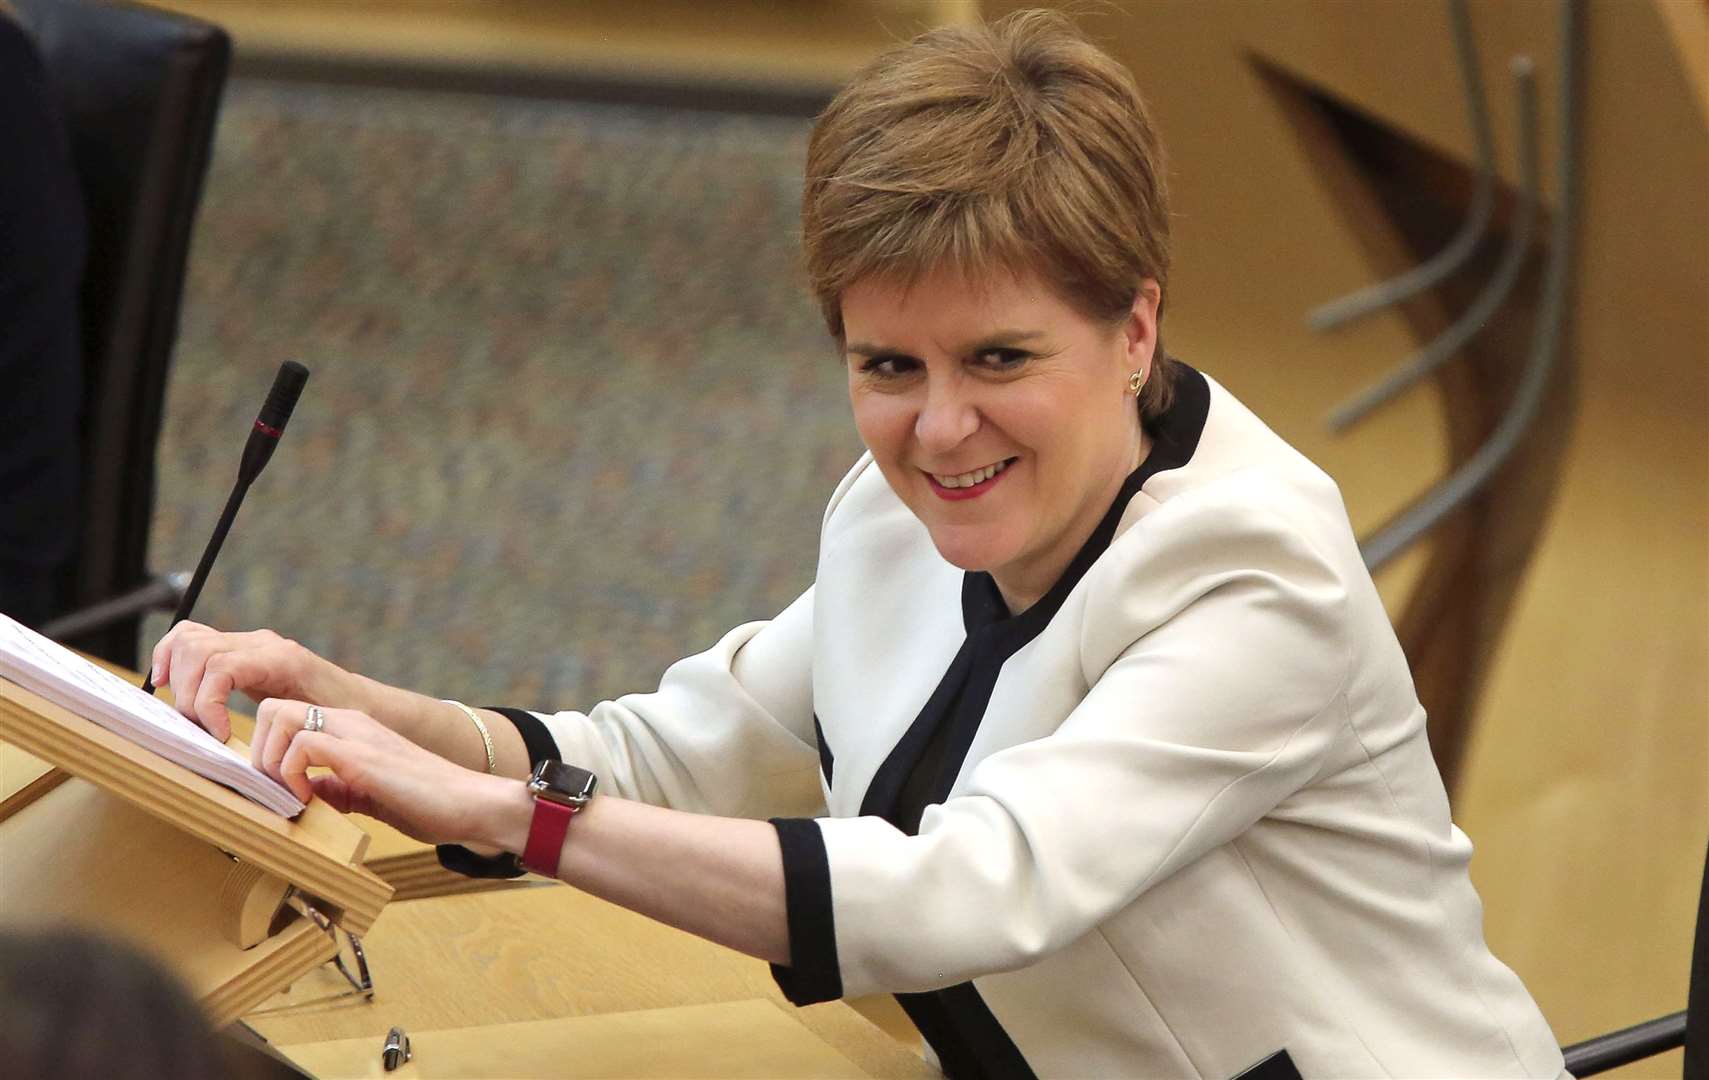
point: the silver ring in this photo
(316, 720)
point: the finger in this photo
(267, 715)
(345, 759)
(288, 718)
(160, 661)
(211, 698)
(247, 665)
(263, 724)
(188, 662)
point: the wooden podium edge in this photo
(320, 853)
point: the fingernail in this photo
(154, 674)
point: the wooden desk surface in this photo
(752, 1039)
(547, 953)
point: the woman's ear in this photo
(1140, 328)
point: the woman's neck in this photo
(1023, 586)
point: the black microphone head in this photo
(287, 388)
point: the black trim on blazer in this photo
(1277, 1066)
(967, 1039)
(460, 860)
(886, 789)
(826, 758)
(812, 974)
(960, 1027)
(541, 747)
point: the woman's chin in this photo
(969, 552)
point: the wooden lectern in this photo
(104, 834)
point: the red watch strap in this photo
(546, 836)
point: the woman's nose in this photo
(946, 420)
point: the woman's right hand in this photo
(204, 666)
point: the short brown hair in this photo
(1018, 145)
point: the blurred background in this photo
(573, 415)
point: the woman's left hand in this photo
(377, 772)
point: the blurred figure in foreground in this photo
(74, 1005)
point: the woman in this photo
(1091, 741)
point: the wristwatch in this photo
(559, 791)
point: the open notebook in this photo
(47, 668)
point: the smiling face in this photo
(999, 414)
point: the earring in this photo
(1136, 381)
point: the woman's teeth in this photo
(968, 479)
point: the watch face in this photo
(562, 783)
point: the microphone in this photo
(263, 440)
(270, 424)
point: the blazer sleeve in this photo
(729, 731)
(1225, 700)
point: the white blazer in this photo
(1180, 815)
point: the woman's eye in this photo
(1002, 359)
(889, 366)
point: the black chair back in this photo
(1697, 993)
(1688, 1028)
(140, 91)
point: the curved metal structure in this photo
(1494, 293)
(1463, 483)
(1384, 294)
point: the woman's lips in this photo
(957, 494)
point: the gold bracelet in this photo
(480, 726)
